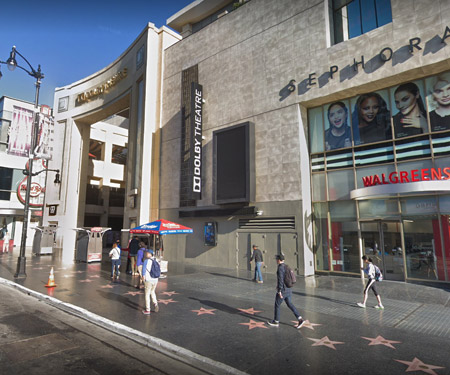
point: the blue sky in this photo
(71, 39)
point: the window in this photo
(352, 18)
(119, 155)
(5, 183)
(95, 150)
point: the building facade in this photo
(313, 128)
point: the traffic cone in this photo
(51, 280)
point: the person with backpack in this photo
(284, 293)
(371, 271)
(151, 271)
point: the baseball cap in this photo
(279, 256)
(255, 246)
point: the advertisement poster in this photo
(20, 131)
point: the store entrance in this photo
(382, 241)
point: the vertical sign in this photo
(195, 169)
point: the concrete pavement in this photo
(216, 318)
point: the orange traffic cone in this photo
(51, 280)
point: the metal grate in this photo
(268, 223)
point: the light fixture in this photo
(57, 180)
(11, 62)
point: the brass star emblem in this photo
(204, 311)
(250, 311)
(325, 341)
(166, 301)
(252, 324)
(417, 365)
(307, 324)
(379, 340)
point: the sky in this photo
(71, 39)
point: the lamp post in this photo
(12, 64)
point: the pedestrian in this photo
(133, 248)
(150, 280)
(370, 271)
(120, 256)
(283, 294)
(258, 257)
(6, 239)
(140, 262)
(114, 254)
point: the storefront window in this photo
(378, 209)
(363, 173)
(344, 237)
(340, 184)
(319, 187)
(321, 237)
(316, 130)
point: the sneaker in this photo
(259, 282)
(146, 312)
(273, 323)
(361, 305)
(379, 307)
(156, 308)
(300, 324)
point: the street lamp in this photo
(12, 65)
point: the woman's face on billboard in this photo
(337, 116)
(405, 101)
(441, 93)
(369, 109)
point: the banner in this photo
(20, 132)
(44, 138)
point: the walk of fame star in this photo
(252, 324)
(418, 365)
(381, 341)
(166, 301)
(204, 311)
(94, 276)
(307, 324)
(170, 294)
(85, 281)
(38, 268)
(107, 286)
(131, 293)
(67, 276)
(325, 341)
(77, 271)
(250, 311)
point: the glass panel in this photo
(416, 165)
(119, 155)
(438, 88)
(420, 239)
(413, 148)
(344, 237)
(370, 236)
(5, 183)
(371, 118)
(444, 204)
(339, 159)
(354, 19)
(319, 187)
(375, 154)
(392, 254)
(337, 129)
(4, 130)
(408, 109)
(384, 12)
(418, 206)
(340, 184)
(95, 150)
(441, 249)
(368, 15)
(380, 170)
(317, 163)
(321, 237)
(441, 144)
(315, 117)
(378, 208)
(17, 177)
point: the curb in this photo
(164, 347)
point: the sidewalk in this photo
(220, 315)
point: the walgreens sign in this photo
(415, 175)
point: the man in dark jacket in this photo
(133, 248)
(258, 257)
(283, 294)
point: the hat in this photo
(150, 251)
(255, 246)
(279, 257)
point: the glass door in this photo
(381, 241)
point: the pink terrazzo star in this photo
(418, 365)
(166, 301)
(94, 277)
(252, 324)
(381, 341)
(307, 324)
(204, 311)
(67, 276)
(107, 286)
(131, 293)
(170, 294)
(325, 341)
(85, 281)
(77, 271)
(38, 268)
(250, 311)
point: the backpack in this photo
(155, 270)
(289, 277)
(378, 274)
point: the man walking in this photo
(150, 281)
(133, 248)
(283, 294)
(258, 257)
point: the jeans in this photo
(279, 301)
(258, 274)
(115, 263)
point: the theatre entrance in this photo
(382, 241)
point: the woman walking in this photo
(370, 271)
